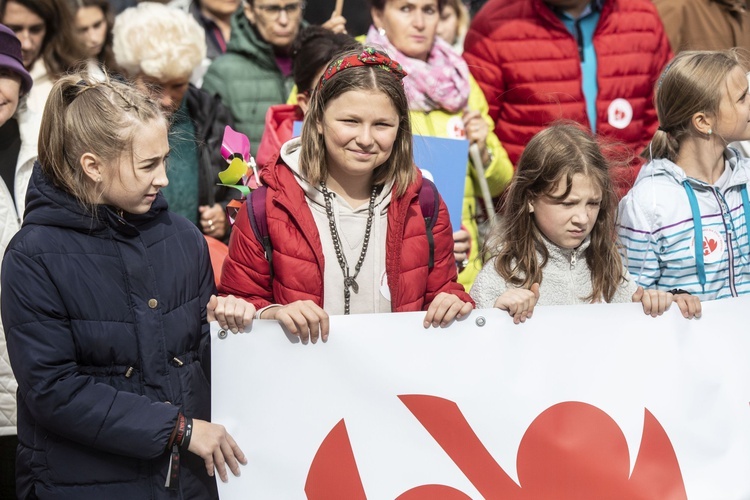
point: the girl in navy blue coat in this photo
(104, 304)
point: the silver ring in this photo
(211, 223)
(464, 262)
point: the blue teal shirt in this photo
(582, 30)
(182, 191)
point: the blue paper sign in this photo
(444, 162)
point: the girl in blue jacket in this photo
(104, 304)
(684, 225)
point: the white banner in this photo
(592, 401)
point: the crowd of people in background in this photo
(609, 143)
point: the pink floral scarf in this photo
(440, 83)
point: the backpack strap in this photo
(256, 211)
(429, 202)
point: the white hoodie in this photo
(373, 296)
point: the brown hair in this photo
(85, 114)
(106, 57)
(61, 51)
(312, 49)
(552, 156)
(399, 167)
(688, 85)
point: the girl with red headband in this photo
(344, 218)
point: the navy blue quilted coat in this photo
(105, 320)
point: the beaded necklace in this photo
(349, 280)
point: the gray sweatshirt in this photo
(567, 280)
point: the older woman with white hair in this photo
(159, 47)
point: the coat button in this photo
(152, 303)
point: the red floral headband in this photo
(368, 57)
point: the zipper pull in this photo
(573, 259)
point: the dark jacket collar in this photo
(49, 205)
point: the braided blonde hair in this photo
(85, 114)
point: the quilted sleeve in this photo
(71, 404)
(637, 244)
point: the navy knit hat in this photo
(10, 57)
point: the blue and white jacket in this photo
(666, 212)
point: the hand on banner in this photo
(213, 220)
(655, 302)
(476, 132)
(445, 308)
(690, 305)
(337, 23)
(303, 318)
(217, 448)
(232, 313)
(519, 302)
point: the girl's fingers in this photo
(668, 299)
(236, 450)
(300, 324)
(435, 312)
(231, 461)
(312, 323)
(209, 461)
(696, 307)
(440, 312)
(220, 465)
(466, 308)
(211, 307)
(646, 301)
(248, 316)
(229, 315)
(324, 325)
(452, 312)
(285, 318)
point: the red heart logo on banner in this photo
(571, 450)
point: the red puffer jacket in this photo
(527, 64)
(298, 254)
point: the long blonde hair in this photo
(552, 156)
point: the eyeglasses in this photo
(274, 11)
